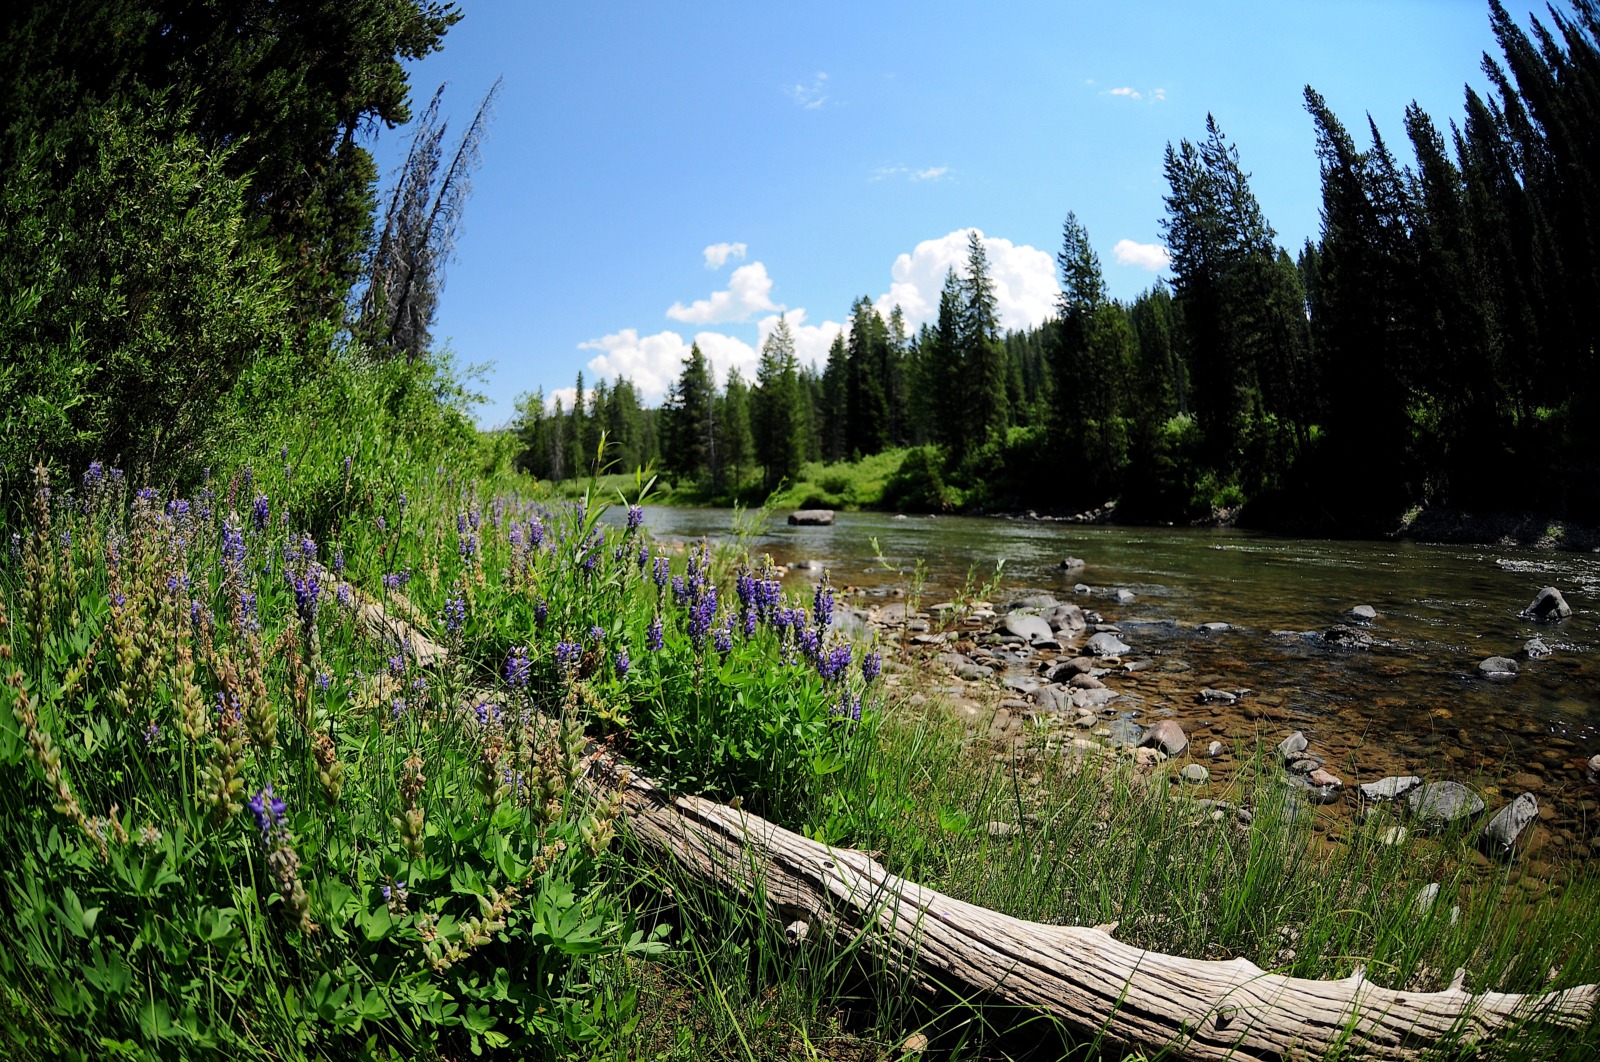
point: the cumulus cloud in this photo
(1024, 280)
(717, 254)
(928, 173)
(1151, 256)
(565, 395)
(811, 341)
(749, 292)
(1128, 92)
(1153, 95)
(932, 173)
(811, 96)
(651, 362)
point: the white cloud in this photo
(1128, 92)
(811, 96)
(717, 254)
(811, 342)
(749, 291)
(1024, 280)
(565, 395)
(1155, 95)
(1151, 256)
(652, 363)
(932, 173)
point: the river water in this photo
(1412, 704)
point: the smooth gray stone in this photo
(1195, 774)
(1292, 746)
(1125, 732)
(1536, 649)
(1210, 696)
(1106, 644)
(1499, 835)
(1498, 668)
(1167, 736)
(1391, 788)
(1548, 606)
(1363, 613)
(1029, 628)
(811, 517)
(1441, 803)
(1216, 627)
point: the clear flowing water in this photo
(1413, 703)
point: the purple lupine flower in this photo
(589, 560)
(871, 665)
(467, 546)
(749, 624)
(116, 477)
(338, 560)
(701, 616)
(402, 503)
(147, 495)
(745, 585)
(518, 667)
(822, 604)
(567, 654)
(261, 513)
(644, 557)
(307, 596)
(834, 663)
(233, 548)
(635, 517)
(809, 641)
(324, 679)
(93, 477)
(65, 538)
(345, 597)
(722, 637)
(622, 663)
(398, 708)
(474, 517)
(653, 639)
(680, 593)
(308, 548)
(397, 665)
(461, 523)
(597, 634)
(196, 610)
(391, 581)
(348, 458)
(485, 712)
(268, 811)
(247, 606)
(178, 510)
(152, 734)
(118, 600)
(455, 613)
(383, 525)
(535, 532)
(541, 611)
(849, 706)
(659, 572)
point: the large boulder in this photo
(1498, 669)
(1548, 606)
(1391, 788)
(1167, 736)
(811, 517)
(1499, 835)
(1363, 613)
(1030, 629)
(1106, 644)
(1066, 618)
(1438, 804)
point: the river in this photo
(1413, 703)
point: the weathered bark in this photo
(1080, 976)
(1083, 977)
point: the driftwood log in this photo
(1080, 976)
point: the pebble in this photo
(1214, 749)
(1195, 773)
(1003, 829)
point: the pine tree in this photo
(776, 410)
(735, 447)
(866, 421)
(689, 421)
(982, 356)
(834, 410)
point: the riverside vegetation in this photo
(242, 822)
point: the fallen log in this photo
(1080, 976)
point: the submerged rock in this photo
(1210, 696)
(1441, 803)
(1124, 732)
(1125, 597)
(1363, 613)
(1292, 746)
(1536, 649)
(1548, 606)
(1072, 564)
(1034, 601)
(1499, 836)
(1215, 627)
(1344, 636)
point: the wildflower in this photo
(347, 460)
(871, 665)
(722, 638)
(644, 557)
(261, 513)
(383, 525)
(324, 679)
(402, 503)
(397, 665)
(822, 604)
(307, 594)
(398, 707)
(467, 546)
(535, 532)
(541, 611)
(589, 560)
(233, 549)
(810, 641)
(152, 734)
(635, 517)
(455, 614)
(834, 664)
(680, 592)
(308, 548)
(147, 495)
(93, 477)
(622, 663)
(338, 560)
(268, 811)
(518, 667)
(660, 571)
(653, 639)
(486, 713)
(345, 597)
(597, 634)
(702, 615)
(567, 654)
(391, 581)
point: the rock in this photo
(1498, 669)
(1144, 757)
(1548, 606)
(807, 566)
(1065, 669)
(1536, 649)
(973, 672)
(1441, 803)
(898, 516)
(1323, 794)
(1085, 682)
(1031, 629)
(1106, 644)
(1210, 696)
(1023, 684)
(1594, 769)
(1394, 835)
(1093, 699)
(951, 660)
(1125, 597)
(1051, 698)
(811, 518)
(1195, 773)
(1067, 618)
(1215, 627)
(1072, 564)
(1214, 749)
(1323, 780)
(1292, 746)
(1426, 897)
(1363, 614)
(1003, 829)
(1499, 836)
(1343, 636)
(1040, 601)
(1167, 736)
(1124, 732)
(1391, 788)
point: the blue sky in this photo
(657, 174)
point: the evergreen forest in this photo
(1434, 347)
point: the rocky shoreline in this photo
(1038, 676)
